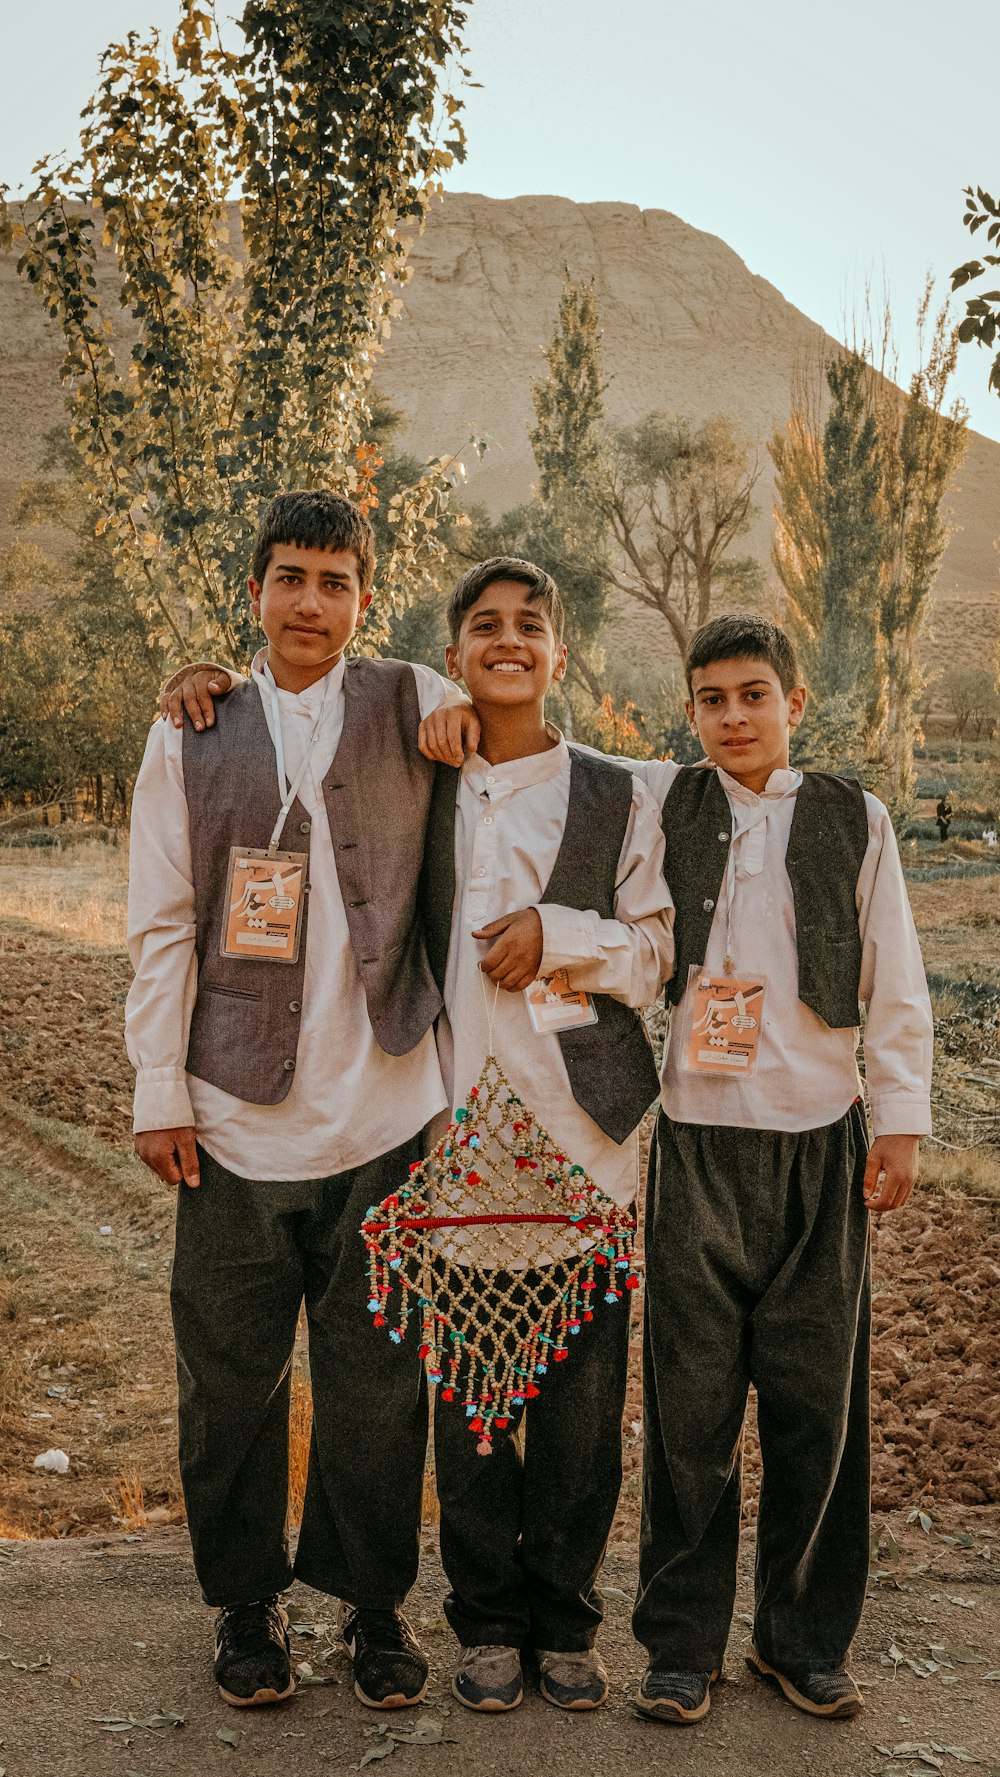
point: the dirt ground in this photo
(101, 1637)
(85, 1361)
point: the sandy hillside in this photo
(687, 328)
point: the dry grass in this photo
(79, 891)
(128, 1501)
(299, 1434)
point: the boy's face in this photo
(743, 718)
(506, 652)
(308, 606)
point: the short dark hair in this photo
(542, 590)
(741, 636)
(314, 519)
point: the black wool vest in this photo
(611, 1068)
(826, 849)
(245, 1024)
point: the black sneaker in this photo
(676, 1697)
(252, 1656)
(826, 1691)
(390, 1671)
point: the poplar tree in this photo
(562, 528)
(860, 530)
(248, 362)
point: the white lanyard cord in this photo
(490, 1010)
(288, 791)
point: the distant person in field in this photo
(281, 1027)
(943, 814)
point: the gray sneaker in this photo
(489, 1679)
(573, 1681)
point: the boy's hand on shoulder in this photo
(449, 733)
(891, 1172)
(171, 1154)
(193, 688)
(515, 953)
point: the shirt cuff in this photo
(567, 938)
(902, 1113)
(162, 1100)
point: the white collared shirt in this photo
(807, 1074)
(509, 826)
(349, 1100)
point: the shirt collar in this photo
(780, 783)
(517, 774)
(313, 696)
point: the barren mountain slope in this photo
(687, 328)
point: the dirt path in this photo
(97, 1628)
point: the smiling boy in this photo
(790, 910)
(280, 1023)
(540, 859)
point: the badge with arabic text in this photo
(264, 905)
(724, 1024)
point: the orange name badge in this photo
(725, 1022)
(264, 905)
(554, 1005)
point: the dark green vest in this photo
(826, 849)
(612, 1072)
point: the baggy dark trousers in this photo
(247, 1254)
(523, 1534)
(757, 1271)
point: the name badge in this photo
(264, 905)
(554, 1005)
(724, 1024)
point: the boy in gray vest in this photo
(280, 1024)
(540, 858)
(790, 909)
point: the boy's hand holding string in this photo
(515, 955)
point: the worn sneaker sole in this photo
(667, 1709)
(488, 1705)
(397, 1700)
(576, 1702)
(842, 1710)
(266, 1695)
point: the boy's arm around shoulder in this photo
(161, 943)
(449, 726)
(899, 1028)
(631, 955)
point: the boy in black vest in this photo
(281, 1018)
(540, 858)
(790, 909)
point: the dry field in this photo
(85, 1355)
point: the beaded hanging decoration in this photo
(498, 1243)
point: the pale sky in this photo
(828, 145)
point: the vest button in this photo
(289, 1066)
(295, 1005)
(305, 827)
(708, 906)
(724, 838)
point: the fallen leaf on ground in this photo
(228, 1736)
(382, 1750)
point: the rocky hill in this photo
(687, 328)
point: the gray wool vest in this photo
(826, 849)
(612, 1072)
(245, 1025)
